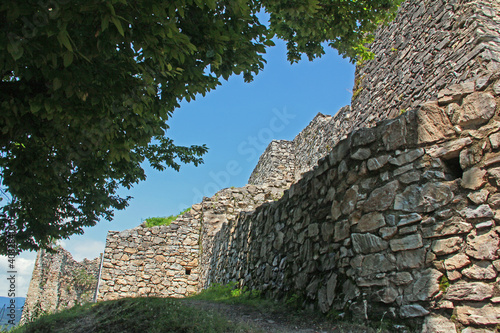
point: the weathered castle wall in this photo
(400, 220)
(430, 45)
(276, 165)
(223, 209)
(283, 162)
(59, 282)
(157, 261)
(170, 261)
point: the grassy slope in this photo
(132, 315)
(154, 314)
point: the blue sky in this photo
(236, 121)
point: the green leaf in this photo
(118, 25)
(67, 58)
(15, 50)
(63, 38)
(56, 84)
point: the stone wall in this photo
(398, 221)
(223, 209)
(276, 165)
(170, 261)
(284, 162)
(430, 45)
(59, 282)
(158, 261)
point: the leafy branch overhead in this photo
(87, 88)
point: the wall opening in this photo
(188, 271)
(453, 169)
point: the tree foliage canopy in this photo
(87, 88)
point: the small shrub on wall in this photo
(156, 221)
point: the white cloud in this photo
(23, 268)
(81, 249)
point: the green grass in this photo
(132, 315)
(230, 294)
(157, 221)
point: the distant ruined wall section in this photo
(59, 282)
(285, 161)
(276, 165)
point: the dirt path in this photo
(279, 322)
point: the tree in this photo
(87, 88)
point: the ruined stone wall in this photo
(398, 221)
(430, 45)
(223, 209)
(284, 162)
(158, 261)
(170, 261)
(276, 165)
(59, 282)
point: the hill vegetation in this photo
(221, 308)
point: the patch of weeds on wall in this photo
(444, 283)
(157, 221)
(357, 87)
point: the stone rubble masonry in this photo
(412, 236)
(389, 209)
(430, 46)
(283, 162)
(164, 261)
(56, 283)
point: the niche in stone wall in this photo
(452, 168)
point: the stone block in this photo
(473, 178)
(406, 243)
(481, 270)
(480, 315)
(407, 157)
(426, 198)
(469, 291)
(453, 226)
(410, 259)
(446, 245)
(378, 162)
(436, 323)
(368, 243)
(412, 311)
(394, 134)
(483, 246)
(457, 261)
(477, 109)
(381, 198)
(449, 149)
(432, 124)
(370, 264)
(370, 222)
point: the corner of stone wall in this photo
(59, 282)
